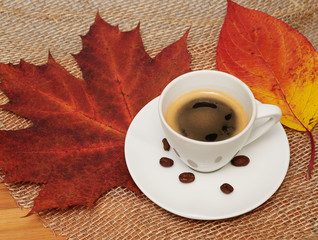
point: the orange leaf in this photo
(277, 62)
(76, 145)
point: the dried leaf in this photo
(76, 144)
(277, 62)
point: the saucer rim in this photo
(161, 204)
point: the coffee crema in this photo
(206, 115)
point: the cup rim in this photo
(193, 141)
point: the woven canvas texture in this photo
(30, 29)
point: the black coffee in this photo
(206, 115)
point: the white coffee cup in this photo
(210, 156)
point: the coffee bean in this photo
(166, 145)
(226, 188)
(186, 177)
(166, 162)
(240, 161)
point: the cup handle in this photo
(267, 116)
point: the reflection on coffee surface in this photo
(206, 115)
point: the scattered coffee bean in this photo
(240, 161)
(226, 188)
(186, 177)
(166, 162)
(166, 145)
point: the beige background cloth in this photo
(29, 29)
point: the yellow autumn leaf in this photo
(277, 62)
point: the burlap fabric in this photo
(29, 29)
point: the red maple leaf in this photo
(76, 144)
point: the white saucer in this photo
(203, 199)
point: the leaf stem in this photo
(312, 158)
